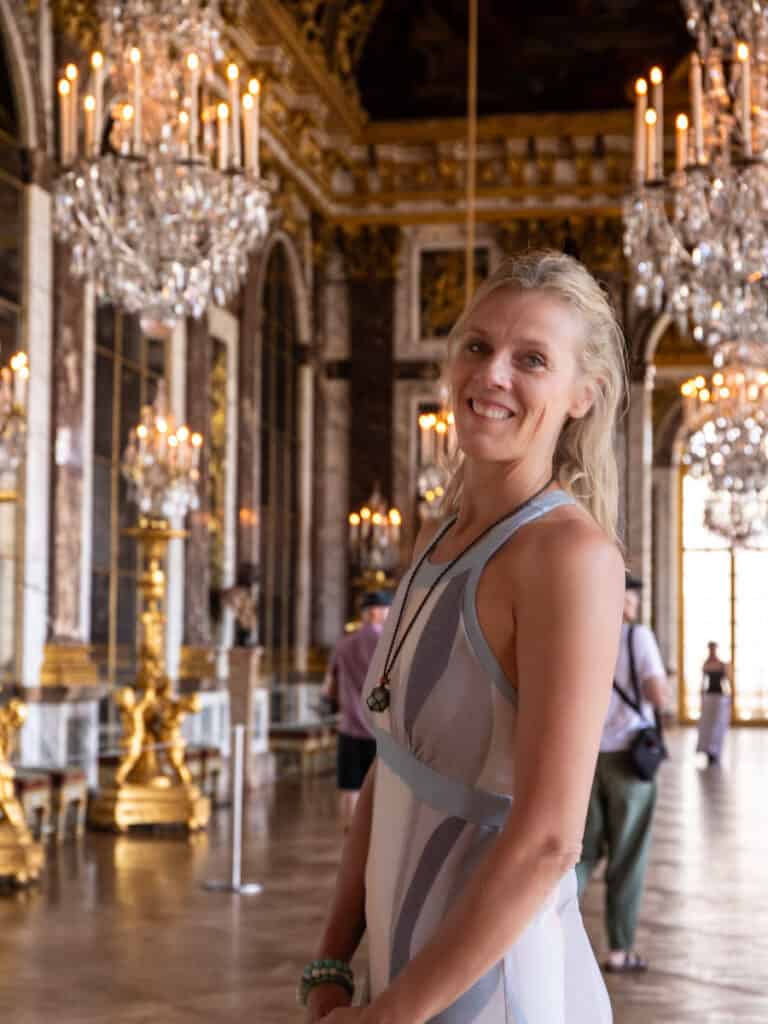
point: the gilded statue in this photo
(133, 720)
(12, 717)
(166, 728)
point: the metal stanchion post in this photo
(236, 884)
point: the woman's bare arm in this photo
(566, 638)
(345, 924)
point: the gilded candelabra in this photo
(21, 858)
(152, 784)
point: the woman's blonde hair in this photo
(585, 461)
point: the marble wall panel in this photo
(67, 483)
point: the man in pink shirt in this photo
(344, 684)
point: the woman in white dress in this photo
(490, 684)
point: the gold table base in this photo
(152, 804)
(21, 858)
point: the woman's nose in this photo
(497, 371)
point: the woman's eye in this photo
(534, 360)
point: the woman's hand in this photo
(324, 1001)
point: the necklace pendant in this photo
(378, 698)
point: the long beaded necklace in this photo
(379, 697)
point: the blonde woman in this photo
(489, 687)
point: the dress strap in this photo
(506, 529)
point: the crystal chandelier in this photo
(160, 195)
(437, 446)
(726, 418)
(14, 380)
(697, 238)
(374, 536)
(161, 463)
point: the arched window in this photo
(724, 599)
(279, 467)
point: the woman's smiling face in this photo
(515, 376)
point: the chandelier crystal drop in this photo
(160, 195)
(727, 444)
(161, 463)
(697, 238)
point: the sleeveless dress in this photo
(715, 715)
(443, 789)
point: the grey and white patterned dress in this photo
(444, 785)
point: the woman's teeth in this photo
(489, 412)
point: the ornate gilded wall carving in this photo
(442, 285)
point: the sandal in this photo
(631, 964)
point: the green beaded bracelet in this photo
(325, 972)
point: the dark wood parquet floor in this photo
(121, 930)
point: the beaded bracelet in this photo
(325, 972)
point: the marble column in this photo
(196, 658)
(306, 415)
(639, 484)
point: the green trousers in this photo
(618, 828)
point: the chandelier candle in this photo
(657, 101)
(681, 142)
(742, 52)
(72, 109)
(97, 86)
(233, 77)
(136, 62)
(650, 144)
(193, 88)
(641, 105)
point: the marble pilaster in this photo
(639, 484)
(249, 419)
(306, 414)
(174, 601)
(197, 572)
(666, 609)
(36, 339)
(331, 457)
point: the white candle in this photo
(184, 132)
(125, 135)
(223, 113)
(697, 108)
(208, 143)
(354, 530)
(89, 106)
(254, 88)
(657, 101)
(136, 61)
(742, 52)
(97, 65)
(193, 86)
(73, 109)
(233, 76)
(641, 105)
(65, 97)
(681, 142)
(650, 144)
(248, 131)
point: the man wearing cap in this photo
(621, 804)
(344, 684)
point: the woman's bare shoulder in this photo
(559, 545)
